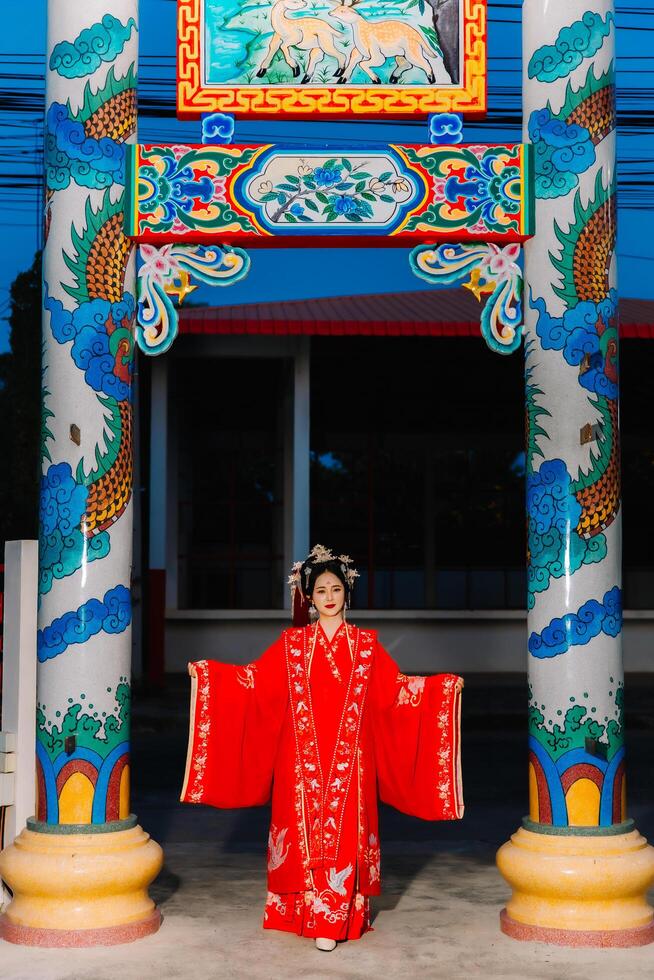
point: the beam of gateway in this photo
(185, 203)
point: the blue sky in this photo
(297, 273)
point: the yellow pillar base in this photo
(575, 890)
(77, 889)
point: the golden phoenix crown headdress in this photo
(317, 556)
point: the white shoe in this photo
(327, 945)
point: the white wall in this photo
(483, 641)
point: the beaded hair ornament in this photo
(317, 556)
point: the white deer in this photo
(306, 33)
(375, 41)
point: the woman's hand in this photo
(458, 687)
(192, 672)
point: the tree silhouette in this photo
(20, 409)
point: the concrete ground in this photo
(437, 916)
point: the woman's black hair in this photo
(311, 571)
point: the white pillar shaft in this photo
(86, 516)
(573, 463)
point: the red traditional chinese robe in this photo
(324, 727)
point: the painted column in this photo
(578, 868)
(83, 830)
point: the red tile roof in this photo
(444, 313)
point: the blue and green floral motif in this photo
(336, 188)
(196, 192)
(484, 188)
(185, 188)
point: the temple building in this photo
(372, 408)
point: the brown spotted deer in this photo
(305, 33)
(375, 41)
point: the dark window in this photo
(637, 425)
(230, 453)
(417, 469)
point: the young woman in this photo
(324, 720)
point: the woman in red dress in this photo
(324, 722)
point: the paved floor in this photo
(437, 917)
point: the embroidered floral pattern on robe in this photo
(325, 800)
(324, 743)
(411, 689)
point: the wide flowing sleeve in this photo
(234, 729)
(417, 738)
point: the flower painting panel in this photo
(261, 195)
(330, 192)
(331, 57)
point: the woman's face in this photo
(328, 595)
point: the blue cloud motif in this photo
(553, 512)
(217, 127)
(71, 155)
(445, 127)
(585, 333)
(62, 546)
(63, 501)
(103, 41)
(578, 629)
(562, 151)
(579, 40)
(97, 328)
(113, 614)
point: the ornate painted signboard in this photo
(393, 194)
(304, 58)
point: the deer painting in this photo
(375, 41)
(304, 33)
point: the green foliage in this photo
(21, 431)
(341, 187)
(432, 37)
